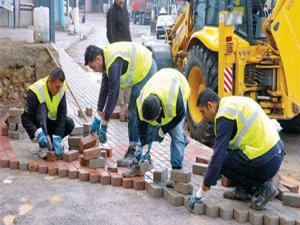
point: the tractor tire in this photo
(201, 71)
(291, 126)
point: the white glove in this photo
(161, 133)
(144, 149)
(200, 193)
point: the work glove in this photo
(102, 133)
(96, 124)
(145, 154)
(192, 200)
(58, 148)
(160, 135)
(41, 138)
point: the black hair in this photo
(57, 74)
(207, 95)
(151, 107)
(91, 54)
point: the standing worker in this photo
(117, 22)
(248, 149)
(45, 112)
(162, 109)
(125, 65)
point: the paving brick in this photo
(127, 182)
(226, 212)
(86, 129)
(285, 220)
(271, 219)
(112, 169)
(183, 176)
(154, 189)
(160, 174)
(94, 176)
(18, 135)
(211, 209)
(4, 130)
(77, 131)
(91, 153)
(138, 183)
(72, 171)
(256, 217)
(202, 159)
(104, 177)
(116, 113)
(15, 112)
(96, 163)
(291, 186)
(89, 111)
(33, 166)
(199, 168)
(226, 182)
(282, 189)
(51, 156)
(73, 141)
(116, 179)
(107, 148)
(4, 161)
(88, 142)
(14, 164)
(15, 120)
(145, 167)
(84, 174)
(80, 113)
(12, 127)
(240, 214)
(23, 165)
(70, 156)
(52, 169)
(184, 188)
(62, 169)
(11, 134)
(173, 197)
(291, 199)
(42, 166)
(82, 161)
(103, 154)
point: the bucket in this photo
(41, 24)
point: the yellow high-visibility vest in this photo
(139, 60)
(165, 84)
(41, 91)
(256, 134)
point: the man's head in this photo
(208, 102)
(93, 58)
(120, 3)
(151, 108)
(56, 80)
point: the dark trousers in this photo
(50, 126)
(243, 173)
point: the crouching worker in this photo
(45, 113)
(161, 109)
(248, 149)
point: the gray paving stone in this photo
(226, 212)
(199, 209)
(240, 214)
(96, 163)
(17, 135)
(15, 120)
(12, 127)
(211, 209)
(199, 168)
(160, 174)
(77, 131)
(15, 112)
(282, 189)
(184, 188)
(290, 199)
(174, 198)
(271, 219)
(23, 165)
(284, 220)
(256, 217)
(183, 176)
(155, 190)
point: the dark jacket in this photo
(117, 24)
(30, 118)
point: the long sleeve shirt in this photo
(226, 130)
(117, 24)
(180, 114)
(110, 87)
(29, 117)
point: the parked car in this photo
(163, 22)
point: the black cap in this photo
(151, 107)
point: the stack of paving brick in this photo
(15, 128)
(3, 125)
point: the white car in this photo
(163, 22)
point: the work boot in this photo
(128, 158)
(265, 192)
(133, 171)
(239, 193)
(43, 152)
(170, 183)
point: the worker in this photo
(125, 65)
(45, 112)
(161, 110)
(248, 149)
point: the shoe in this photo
(43, 152)
(128, 158)
(239, 193)
(170, 183)
(134, 171)
(265, 192)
